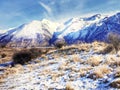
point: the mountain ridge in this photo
(35, 33)
(93, 30)
(74, 30)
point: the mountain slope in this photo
(75, 30)
(88, 29)
(34, 33)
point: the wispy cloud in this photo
(46, 7)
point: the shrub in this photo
(35, 52)
(60, 43)
(3, 55)
(114, 39)
(2, 45)
(106, 50)
(22, 57)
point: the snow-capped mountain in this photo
(34, 33)
(94, 28)
(42, 33)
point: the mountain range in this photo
(94, 28)
(35, 33)
(74, 30)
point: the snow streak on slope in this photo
(89, 29)
(34, 27)
(77, 24)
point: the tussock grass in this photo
(117, 72)
(10, 71)
(112, 61)
(94, 60)
(69, 86)
(106, 50)
(95, 67)
(76, 58)
(115, 83)
(84, 70)
(99, 72)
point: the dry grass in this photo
(112, 61)
(99, 72)
(10, 71)
(56, 75)
(117, 72)
(94, 60)
(8, 52)
(94, 65)
(84, 70)
(115, 83)
(76, 58)
(107, 49)
(69, 86)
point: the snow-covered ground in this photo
(62, 69)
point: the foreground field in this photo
(75, 67)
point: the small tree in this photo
(114, 39)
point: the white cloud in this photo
(46, 7)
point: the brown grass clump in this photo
(84, 70)
(117, 72)
(116, 63)
(69, 86)
(115, 83)
(76, 58)
(94, 60)
(10, 71)
(99, 72)
(107, 49)
(109, 60)
(56, 75)
(112, 61)
(6, 54)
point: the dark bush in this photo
(114, 39)
(2, 45)
(106, 50)
(60, 43)
(22, 57)
(35, 52)
(3, 55)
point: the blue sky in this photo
(16, 12)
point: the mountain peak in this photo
(34, 33)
